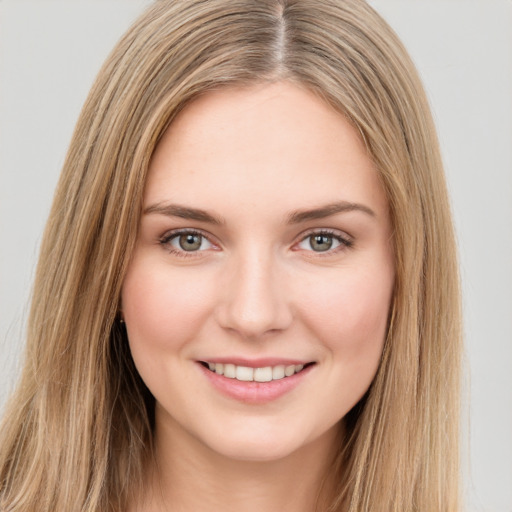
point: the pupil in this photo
(190, 242)
(321, 242)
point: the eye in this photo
(323, 241)
(189, 241)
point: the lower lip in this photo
(255, 392)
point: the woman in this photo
(247, 293)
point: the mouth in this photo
(261, 374)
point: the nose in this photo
(254, 301)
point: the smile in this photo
(248, 374)
(255, 382)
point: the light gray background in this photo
(50, 52)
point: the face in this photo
(257, 299)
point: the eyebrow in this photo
(327, 210)
(295, 217)
(184, 212)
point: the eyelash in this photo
(168, 237)
(344, 242)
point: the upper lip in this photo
(256, 363)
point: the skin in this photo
(256, 288)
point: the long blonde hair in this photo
(78, 429)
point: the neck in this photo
(185, 475)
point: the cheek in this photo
(350, 314)
(161, 307)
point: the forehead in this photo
(272, 144)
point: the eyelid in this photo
(345, 240)
(166, 238)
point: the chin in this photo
(263, 443)
(255, 450)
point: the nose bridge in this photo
(255, 301)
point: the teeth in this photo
(289, 370)
(229, 371)
(246, 374)
(263, 374)
(277, 372)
